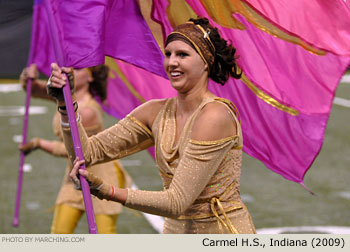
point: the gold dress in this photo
(200, 178)
(112, 172)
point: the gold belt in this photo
(226, 222)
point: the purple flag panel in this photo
(89, 30)
(42, 46)
(128, 37)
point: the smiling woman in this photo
(200, 166)
(178, 63)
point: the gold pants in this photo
(66, 219)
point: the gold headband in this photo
(206, 36)
(199, 38)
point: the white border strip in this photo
(306, 229)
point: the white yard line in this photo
(7, 88)
(19, 110)
(342, 102)
(346, 78)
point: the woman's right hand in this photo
(57, 81)
(30, 72)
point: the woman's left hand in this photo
(75, 172)
(30, 72)
(57, 81)
(33, 144)
(97, 187)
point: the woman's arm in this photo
(55, 148)
(38, 86)
(201, 158)
(128, 136)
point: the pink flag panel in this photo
(322, 23)
(285, 71)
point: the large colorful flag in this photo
(292, 54)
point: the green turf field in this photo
(271, 200)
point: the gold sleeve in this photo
(59, 150)
(126, 137)
(198, 164)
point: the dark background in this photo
(15, 31)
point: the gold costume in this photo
(201, 178)
(111, 172)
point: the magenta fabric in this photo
(327, 21)
(128, 37)
(121, 100)
(306, 82)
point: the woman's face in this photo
(82, 78)
(183, 65)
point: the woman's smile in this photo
(176, 74)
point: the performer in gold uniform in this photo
(197, 136)
(69, 205)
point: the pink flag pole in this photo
(79, 153)
(15, 221)
(56, 34)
